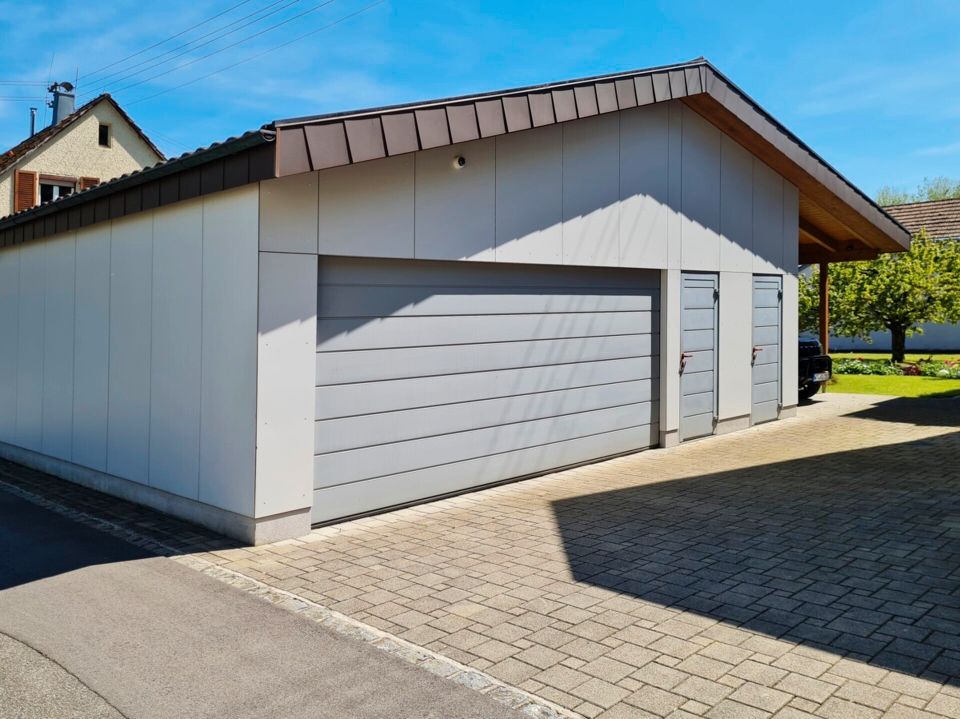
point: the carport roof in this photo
(837, 220)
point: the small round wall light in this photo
(459, 162)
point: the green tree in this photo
(895, 292)
(809, 302)
(937, 188)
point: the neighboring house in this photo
(941, 221)
(338, 314)
(79, 149)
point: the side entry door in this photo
(767, 320)
(700, 295)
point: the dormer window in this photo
(104, 137)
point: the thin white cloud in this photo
(952, 148)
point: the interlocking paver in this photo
(761, 697)
(871, 696)
(946, 705)
(835, 708)
(655, 700)
(801, 568)
(805, 687)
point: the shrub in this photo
(864, 366)
(935, 368)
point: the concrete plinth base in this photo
(248, 530)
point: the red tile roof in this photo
(940, 218)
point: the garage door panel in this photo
(699, 425)
(765, 411)
(372, 365)
(351, 432)
(369, 397)
(381, 460)
(338, 335)
(766, 392)
(766, 373)
(408, 301)
(359, 497)
(698, 298)
(763, 336)
(493, 370)
(768, 354)
(697, 319)
(766, 297)
(699, 362)
(693, 404)
(698, 340)
(697, 382)
(766, 317)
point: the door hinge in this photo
(716, 294)
(779, 294)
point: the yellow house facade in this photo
(96, 143)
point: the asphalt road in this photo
(91, 626)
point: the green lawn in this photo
(894, 385)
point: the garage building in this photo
(334, 315)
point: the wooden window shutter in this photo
(87, 182)
(24, 190)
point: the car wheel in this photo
(809, 390)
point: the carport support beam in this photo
(825, 307)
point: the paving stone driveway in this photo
(809, 567)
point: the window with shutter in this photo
(87, 182)
(24, 190)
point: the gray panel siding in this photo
(433, 377)
(379, 460)
(345, 499)
(375, 364)
(400, 425)
(767, 312)
(383, 396)
(339, 335)
(698, 338)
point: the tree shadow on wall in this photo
(856, 553)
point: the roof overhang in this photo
(838, 222)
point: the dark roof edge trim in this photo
(319, 142)
(460, 99)
(186, 164)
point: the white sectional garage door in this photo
(433, 377)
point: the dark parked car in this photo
(815, 368)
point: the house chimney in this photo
(33, 121)
(63, 101)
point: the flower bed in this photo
(923, 368)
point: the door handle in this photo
(756, 351)
(684, 356)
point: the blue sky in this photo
(874, 87)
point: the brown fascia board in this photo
(221, 166)
(308, 144)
